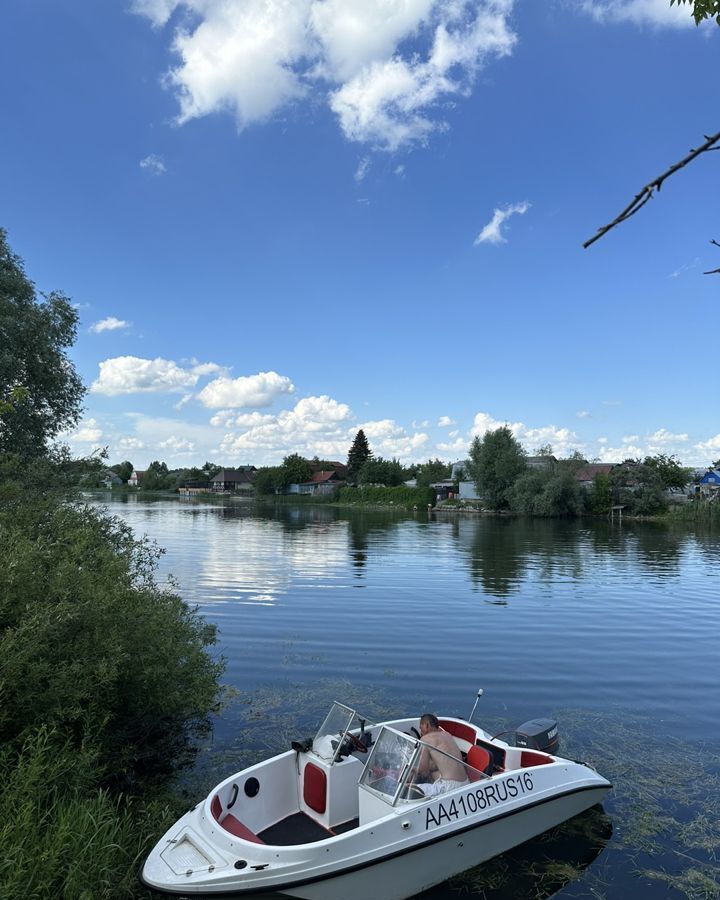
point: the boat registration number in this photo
(484, 797)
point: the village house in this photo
(135, 478)
(233, 481)
(321, 484)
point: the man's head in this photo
(428, 722)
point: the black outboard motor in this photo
(538, 734)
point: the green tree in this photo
(40, 391)
(124, 470)
(358, 454)
(600, 495)
(381, 471)
(269, 480)
(296, 469)
(494, 464)
(701, 9)
(669, 470)
(431, 471)
(157, 477)
(547, 493)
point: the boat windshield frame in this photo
(331, 735)
(393, 751)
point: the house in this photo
(321, 483)
(233, 480)
(110, 479)
(710, 483)
(136, 477)
(586, 475)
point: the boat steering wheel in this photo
(356, 742)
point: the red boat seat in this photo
(531, 758)
(234, 826)
(459, 730)
(315, 788)
(480, 759)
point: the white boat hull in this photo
(411, 872)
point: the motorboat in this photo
(342, 815)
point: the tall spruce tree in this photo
(357, 455)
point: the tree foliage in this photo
(296, 469)
(40, 391)
(547, 493)
(430, 472)
(701, 9)
(90, 644)
(123, 470)
(494, 464)
(377, 470)
(359, 453)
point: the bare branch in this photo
(641, 198)
(712, 272)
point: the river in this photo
(610, 628)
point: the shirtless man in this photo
(438, 772)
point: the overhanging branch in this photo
(641, 198)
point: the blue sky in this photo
(283, 220)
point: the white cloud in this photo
(177, 445)
(88, 432)
(582, 414)
(109, 324)
(225, 418)
(491, 233)
(639, 12)
(153, 165)
(446, 422)
(420, 424)
(453, 434)
(458, 446)
(247, 391)
(362, 169)
(388, 64)
(663, 436)
(134, 375)
(129, 443)
(711, 445)
(618, 454)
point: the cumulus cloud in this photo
(639, 12)
(177, 445)
(153, 164)
(88, 432)
(663, 436)
(562, 440)
(384, 66)
(491, 233)
(134, 375)
(225, 418)
(247, 391)
(711, 445)
(109, 324)
(446, 422)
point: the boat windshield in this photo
(389, 763)
(331, 734)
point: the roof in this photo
(239, 476)
(322, 477)
(588, 473)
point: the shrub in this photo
(400, 496)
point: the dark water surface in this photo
(613, 629)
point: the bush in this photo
(407, 497)
(62, 837)
(92, 646)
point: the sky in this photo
(285, 220)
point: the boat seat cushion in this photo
(481, 760)
(459, 730)
(234, 826)
(315, 788)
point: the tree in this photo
(359, 452)
(671, 473)
(157, 477)
(431, 471)
(381, 471)
(494, 464)
(40, 391)
(124, 470)
(296, 469)
(702, 9)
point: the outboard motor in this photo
(538, 734)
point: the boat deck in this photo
(299, 828)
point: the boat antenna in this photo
(479, 695)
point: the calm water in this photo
(612, 629)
